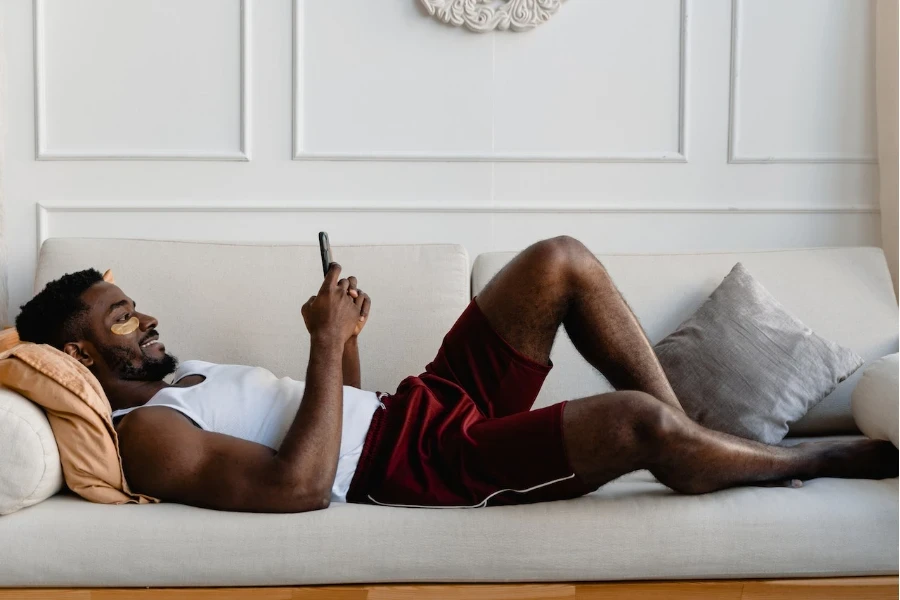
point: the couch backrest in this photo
(843, 294)
(240, 304)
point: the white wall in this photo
(887, 65)
(635, 125)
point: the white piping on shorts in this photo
(481, 504)
(379, 396)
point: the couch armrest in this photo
(875, 399)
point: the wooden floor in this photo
(847, 588)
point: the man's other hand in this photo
(362, 300)
(333, 312)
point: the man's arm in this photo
(166, 456)
(350, 363)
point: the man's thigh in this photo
(526, 301)
(500, 380)
(470, 461)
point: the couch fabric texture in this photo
(241, 304)
(744, 365)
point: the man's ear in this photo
(76, 351)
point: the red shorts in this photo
(463, 435)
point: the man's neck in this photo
(123, 393)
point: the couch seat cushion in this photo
(632, 528)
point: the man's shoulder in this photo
(155, 439)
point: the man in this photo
(460, 434)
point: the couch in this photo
(241, 304)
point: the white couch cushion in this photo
(843, 294)
(632, 528)
(875, 399)
(30, 470)
(240, 304)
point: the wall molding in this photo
(44, 210)
(168, 206)
(734, 156)
(515, 15)
(675, 156)
(42, 152)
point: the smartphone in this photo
(325, 249)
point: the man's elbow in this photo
(291, 499)
(302, 494)
(311, 502)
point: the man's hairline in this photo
(81, 318)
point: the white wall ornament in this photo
(487, 15)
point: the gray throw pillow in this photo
(743, 365)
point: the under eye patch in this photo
(127, 327)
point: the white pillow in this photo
(874, 399)
(30, 470)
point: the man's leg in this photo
(612, 434)
(559, 281)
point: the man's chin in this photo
(151, 369)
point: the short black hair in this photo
(57, 314)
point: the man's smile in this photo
(153, 341)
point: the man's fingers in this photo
(343, 284)
(331, 277)
(352, 289)
(366, 307)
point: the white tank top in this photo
(252, 404)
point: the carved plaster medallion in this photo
(487, 15)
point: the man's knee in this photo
(615, 433)
(653, 423)
(564, 254)
(566, 246)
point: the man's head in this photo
(87, 317)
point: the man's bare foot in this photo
(855, 459)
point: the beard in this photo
(150, 369)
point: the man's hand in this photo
(363, 301)
(333, 313)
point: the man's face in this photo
(134, 355)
